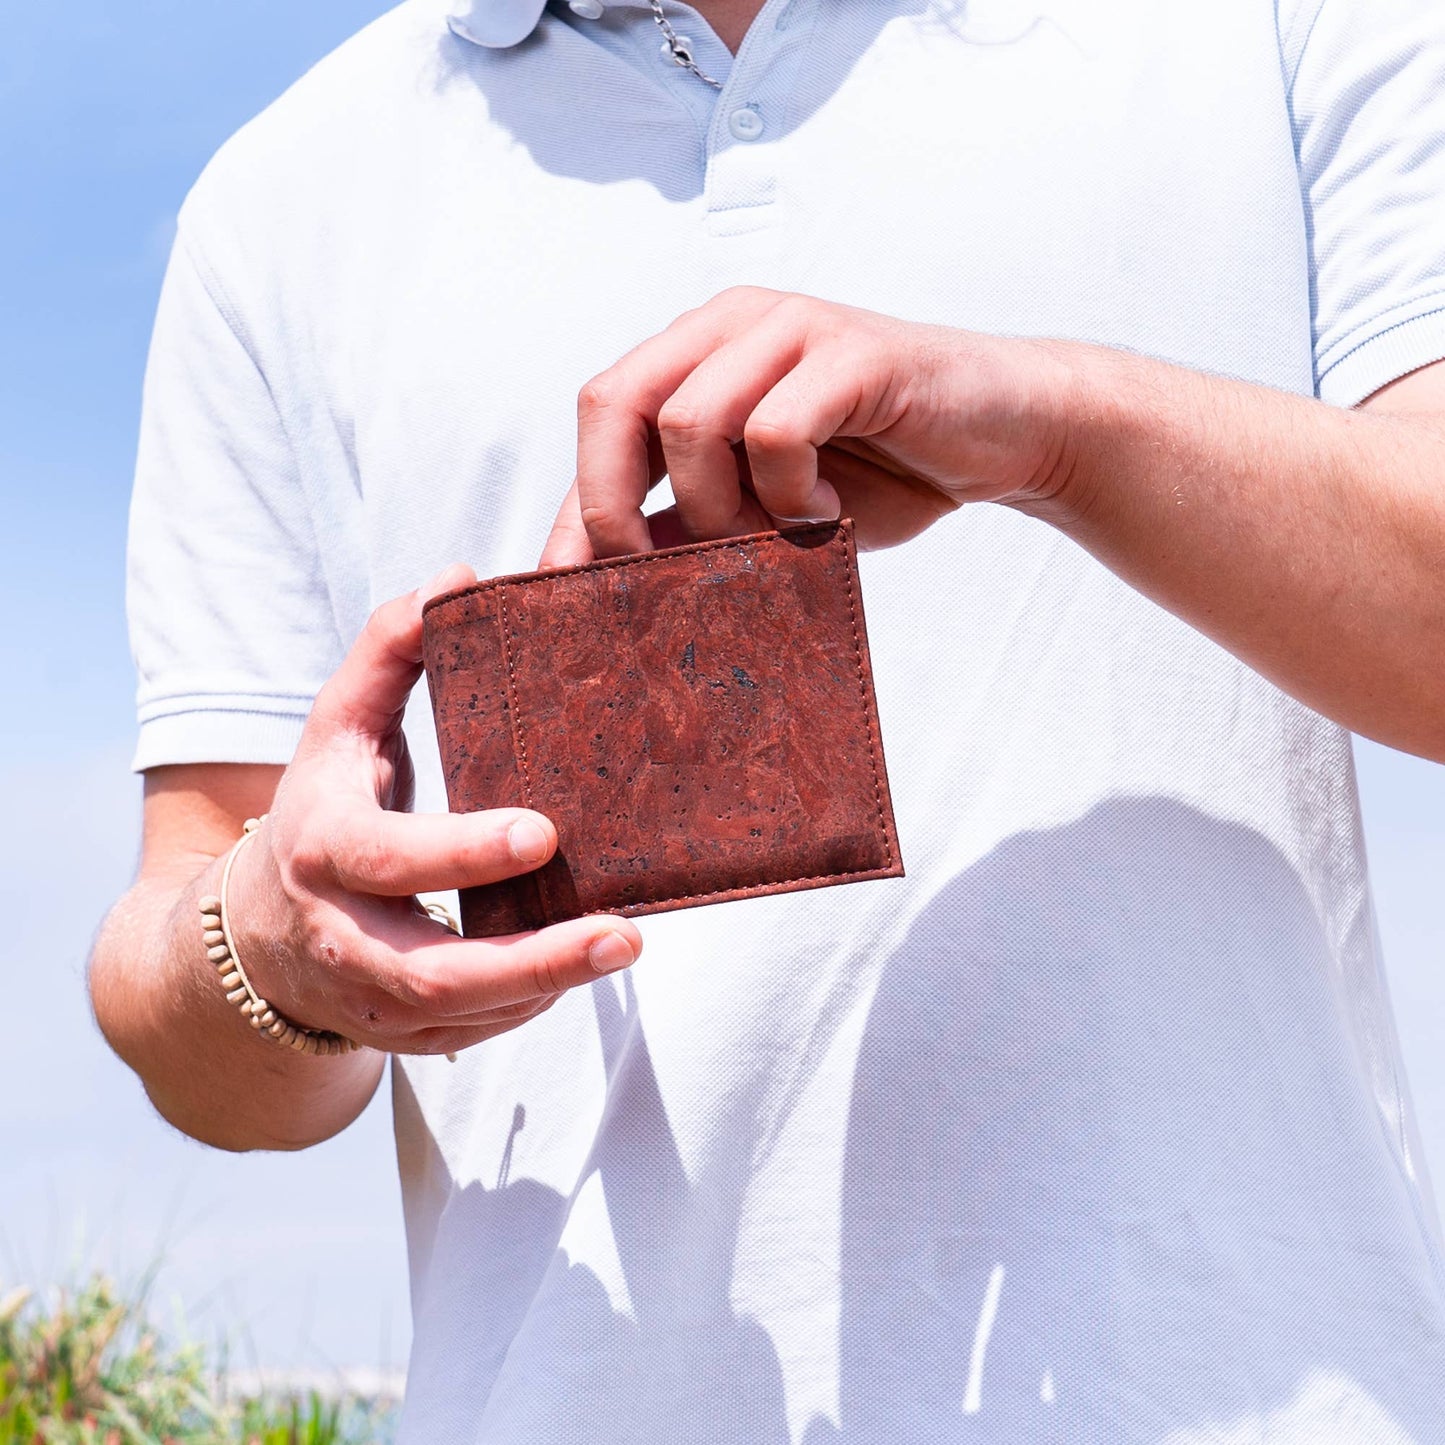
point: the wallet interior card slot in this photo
(699, 723)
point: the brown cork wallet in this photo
(699, 724)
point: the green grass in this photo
(87, 1368)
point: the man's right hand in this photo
(323, 911)
(323, 903)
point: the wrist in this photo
(253, 919)
(261, 996)
(1077, 405)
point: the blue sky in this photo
(107, 114)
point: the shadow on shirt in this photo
(578, 136)
(1113, 1172)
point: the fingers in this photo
(612, 437)
(814, 402)
(567, 544)
(617, 417)
(367, 693)
(465, 980)
(377, 969)
(394, 855)
(713, 409)
(454, 1038)
(778, 377)
(336, 939)
(383, 973)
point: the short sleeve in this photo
(1368, 105)
(231, 625)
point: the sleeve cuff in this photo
(230, 736)
(1385, 357)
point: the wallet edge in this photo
(756, 890)
(887, 832)
(633, 559)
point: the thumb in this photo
(367, 694)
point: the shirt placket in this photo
(744, 120)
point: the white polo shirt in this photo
(1093, 1128)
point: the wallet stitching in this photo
(867, 711)
(519, 742)
(500, 585)
(856, 875)
(761, 539)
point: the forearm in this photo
(1308, 540)
(160, 1005)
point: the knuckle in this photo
(792, 307)
(311, 850)
(598, 394)
(745, 295)
(600, 519)
(422, 990)
(682, 421)
(322, 942)
(435, 1041)
(683, 319)
(767, 435)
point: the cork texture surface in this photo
(699, 723)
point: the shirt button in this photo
(667, 52)
(587, 9)
(745, 124)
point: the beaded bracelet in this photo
(221, 950)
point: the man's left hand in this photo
(765, 408)
(1305, 538)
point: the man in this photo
(1093, 1128)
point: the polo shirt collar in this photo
(499, 24)
(496, 24)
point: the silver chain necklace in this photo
(681, 55)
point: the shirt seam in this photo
(220, 298)
(294, 705)
(1292, 62)
(1421, 308)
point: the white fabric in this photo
(1092, 1129)
(495, 23)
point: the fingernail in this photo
(611, 952)
(529, 844)
(822, 506)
